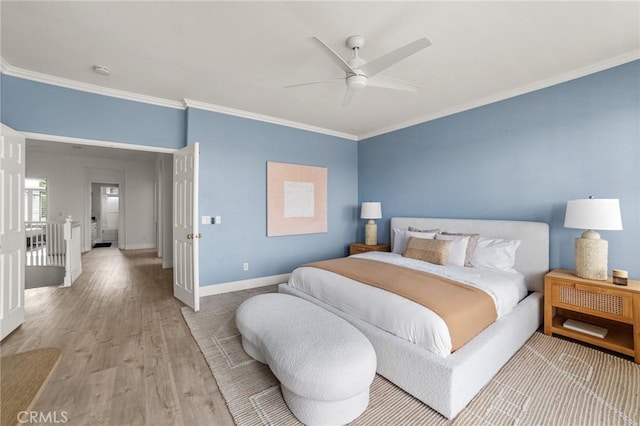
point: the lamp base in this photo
(591, 258)
(371, 233)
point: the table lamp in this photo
(592, 251)
(371, 211)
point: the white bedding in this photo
(401, 316)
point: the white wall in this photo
(67, 190)
(166, 208)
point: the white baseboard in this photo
(209, 290)
(139, 246)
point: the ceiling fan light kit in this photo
(360, 73)
(356, 82)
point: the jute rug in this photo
(548, 382)
(23, 377)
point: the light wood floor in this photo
(128, 358)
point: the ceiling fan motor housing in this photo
(355, 42)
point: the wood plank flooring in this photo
(128, 358)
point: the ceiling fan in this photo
(360, 73)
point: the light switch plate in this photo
(206, 220)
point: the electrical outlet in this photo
(245, 266)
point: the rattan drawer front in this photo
(609, 303)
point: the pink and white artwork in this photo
(296, 199)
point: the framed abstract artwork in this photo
(296, 199)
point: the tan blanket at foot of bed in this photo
(465, 309)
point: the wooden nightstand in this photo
(356, 248)
(601, 303)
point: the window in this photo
(35, 200)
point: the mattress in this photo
(402, 317)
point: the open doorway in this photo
(143, 176)
(105, 214)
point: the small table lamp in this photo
(591, 251)
(371, 210)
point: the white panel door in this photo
(12, 232)
(185, 226)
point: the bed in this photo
(448, 382)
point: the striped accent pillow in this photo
(432, 251)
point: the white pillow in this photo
(495, 253)
(401, 237)
(458, 250)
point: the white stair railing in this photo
(45, 243)
(55, 244)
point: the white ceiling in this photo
(240, 55)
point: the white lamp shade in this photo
(601, 214)
(371, 210)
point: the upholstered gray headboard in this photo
(532, 258)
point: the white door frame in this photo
(101, 143)
(13, 242)
(112, 180)
(121, 211)
(109, 144)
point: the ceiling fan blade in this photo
(386, 82)
(331, 54)
(341, 79)
(374, 67)
(348, 96)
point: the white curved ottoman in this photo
(324, 364)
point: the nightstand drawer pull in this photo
(591, 300)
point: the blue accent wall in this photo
(520, 159)
(35, 107)
(234, 153)
(233, 180)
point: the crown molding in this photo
(190, 103)
(8, 69)
(86, 87)
(562, 78)
(4, 65)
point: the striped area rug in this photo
(548, 382)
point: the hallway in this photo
(127, 356)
